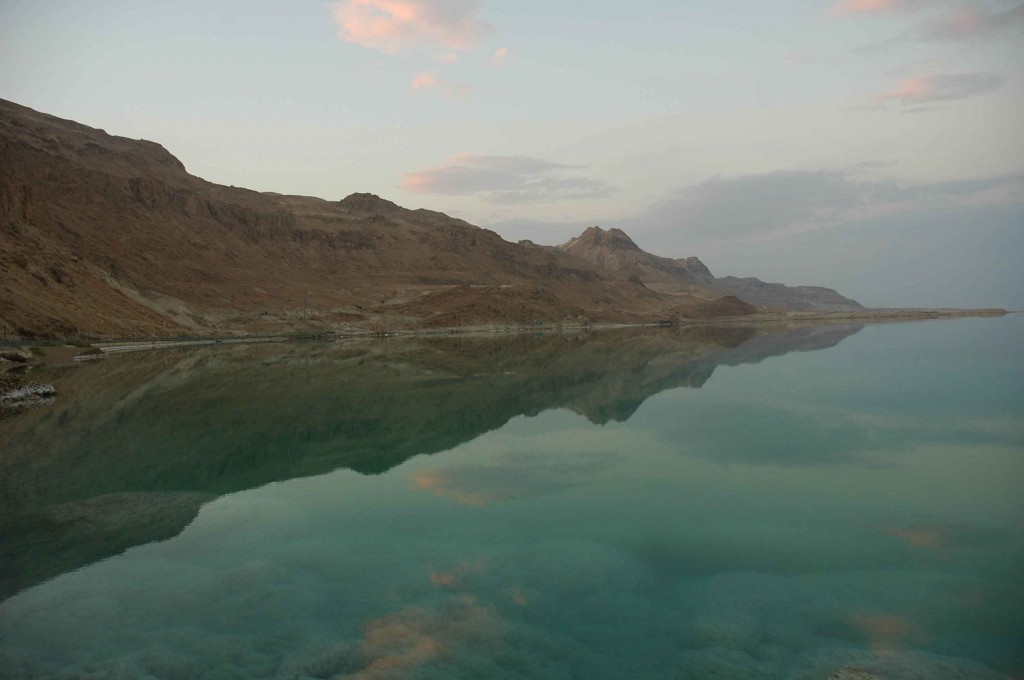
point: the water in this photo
(714, 503)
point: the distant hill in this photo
(103, 236)
(801, 298)
(613, 251)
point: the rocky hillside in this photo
(613, 251)
(777, 295)
(103, 236)
(616, 252)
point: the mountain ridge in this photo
(105, 236)
(110, 237)
(615, 251)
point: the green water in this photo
(710, 503)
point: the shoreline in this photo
(118, 346)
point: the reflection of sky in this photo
(529, 466)
(885, 388)
(552, 546)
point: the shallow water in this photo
(711, 503)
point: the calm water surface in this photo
(714, 503)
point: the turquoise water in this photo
(713, 503)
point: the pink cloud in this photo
(505, 179)
(500, 55)
(419, 183)
(848, 8)
(425, 80)
(429, 80)
(851, 7)
(393, 25)
(910, 91)
(943, 87)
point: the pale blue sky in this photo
(870, 145)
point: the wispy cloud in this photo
(432, 80)
(500, 55)
(505, 179)
(515, 475)
(401, 643)
(941, 88)
(758, 207)
(966, 23)
(939, 536)
(971, 23)
(855, 7)
(394, 25)
(726, 208)
(424, 80)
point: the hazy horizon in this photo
(872, 146)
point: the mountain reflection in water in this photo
(136, 444)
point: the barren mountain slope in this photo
(106, 236)
(616, 253)
(801, 298)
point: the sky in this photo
(873, 146)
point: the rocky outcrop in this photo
(615, 252)
(695, 267)
(368, 203)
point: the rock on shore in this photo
(16, 393)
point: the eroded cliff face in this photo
(106, 236)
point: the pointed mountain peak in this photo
(604, 238)
(368, 203)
